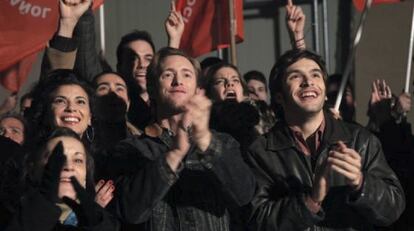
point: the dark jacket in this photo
(398, 143)
(285, 175)
(196, 198)
(37, 213)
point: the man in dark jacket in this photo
(180, 175)
(315, 172)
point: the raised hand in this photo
(380, 91)
(174, 25)
(104, 192)
(295, 20)
(181, 143)
(70, 12)
(346, 162)
(86, 210)
(198, 108)
(51, 175)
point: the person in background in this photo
(257, 85)
(25, 102)
(348, 104)
(314, 171)
(388, 121)
(14, 127)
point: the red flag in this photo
(360, 4)
(26, 26)
(207, 25)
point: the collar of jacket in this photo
(155, 131)
(280, 136)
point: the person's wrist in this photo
(66, 27)
(174, 159)
(312, 205)
(202, 139)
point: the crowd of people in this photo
(167, 143)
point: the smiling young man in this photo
(313, 171)
(180, 175)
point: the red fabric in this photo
(360, 4)
(207, 25)
(26, 26)
(15, 76)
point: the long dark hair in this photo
(39, 115)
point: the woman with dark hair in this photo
(61, 100)
(233, 112)
(223, 82)
(60, 189)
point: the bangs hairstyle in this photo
(278, 72)
(155, 69)
(208, 82)
(35, 160)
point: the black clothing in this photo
(37, 213)
(285, 176)
(197, 197)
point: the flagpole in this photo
(232, 33)
(102, 27)
(316, 25)
(347, 71)
(410, 57)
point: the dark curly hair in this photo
(278, 74)
(39, 115)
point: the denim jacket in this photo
(196, 197)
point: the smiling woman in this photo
(61, 100)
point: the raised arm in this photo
(295, 21)
(62, 49)
(174, 26)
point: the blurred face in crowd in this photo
(348, 96)
(75, 164)
(257, 90)
(177, 83)
(227, 85)
(70, 108)
(25, 104)
(144, 55)
(303, 88)
(13, 129)
(112, 83)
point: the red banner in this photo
(207, 25)
(360, 4)
(26, 26)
